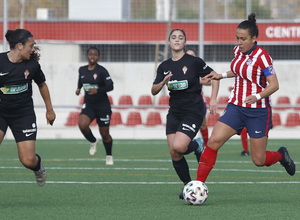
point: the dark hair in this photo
(93, 48)
(21, 36)
(250, 24)
(191, 49)
(177, 30)
(17, 36)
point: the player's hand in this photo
(77, 92)
(93, 91)
(213, 107)
(250, 99)
(213, 75)
(50, 116)
(167, 78)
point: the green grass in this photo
(142, 184)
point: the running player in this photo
(249, 103)
(96, 82)
(18, 68)
(181, 74)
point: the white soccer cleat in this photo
(40, 176)
(93, 148)
(109, 160)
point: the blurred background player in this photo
(181, 74)
(18, 68)
(96, 82)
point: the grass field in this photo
(142, 184)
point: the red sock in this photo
(244, 139)
(272, 157)
(207, 162)
(205, 136)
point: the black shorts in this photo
(188, 124)
(24, 128)
(102, 115)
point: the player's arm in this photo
(50, 114)
(272, 87)
(214, 75)
(79, 85)
(214, 94)
(156, 88)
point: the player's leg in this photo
(179, 162)
(107, 142)
(220, 134)
(262, 157)
(244, 140)
(3, 128)
(31, 160)
(84, 122)
(204, 132)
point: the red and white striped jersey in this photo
(250, 78)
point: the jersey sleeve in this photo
(266, 64)
(159, 75)
(108, 84)
(79, 83)
(39, 77)
(202, 68)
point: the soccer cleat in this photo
(40, 176)
(180, 195)
(200, 148)
(93, 148)
(245, 154)
(109, 160)
(286, 161)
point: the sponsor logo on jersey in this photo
(166, 73)
(184, 69)
(3, 74)
(26, 73)
(87, 86)
(178, 85)
(14, 89)
(95, 76)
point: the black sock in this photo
(90, 137)
(108, 147)
(182, 169)
(38, 166)
(192, 147)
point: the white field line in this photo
(141, 183)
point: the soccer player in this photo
(96, 82)
(18, 67)
(249, 103)
(181, 75)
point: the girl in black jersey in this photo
(18, 68)
(181, 75)
(96, 82)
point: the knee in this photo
(178, 149)
(258, 161)
(29, 161)
(106, 137)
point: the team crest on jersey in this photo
(249, 61)
(271, 70)
(26, 73)
(184, 69)
(95, 76)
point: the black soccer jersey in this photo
(16, 83)
(98, 78)
(184, 85)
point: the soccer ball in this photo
(195, 192)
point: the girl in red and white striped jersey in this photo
(249, 103)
